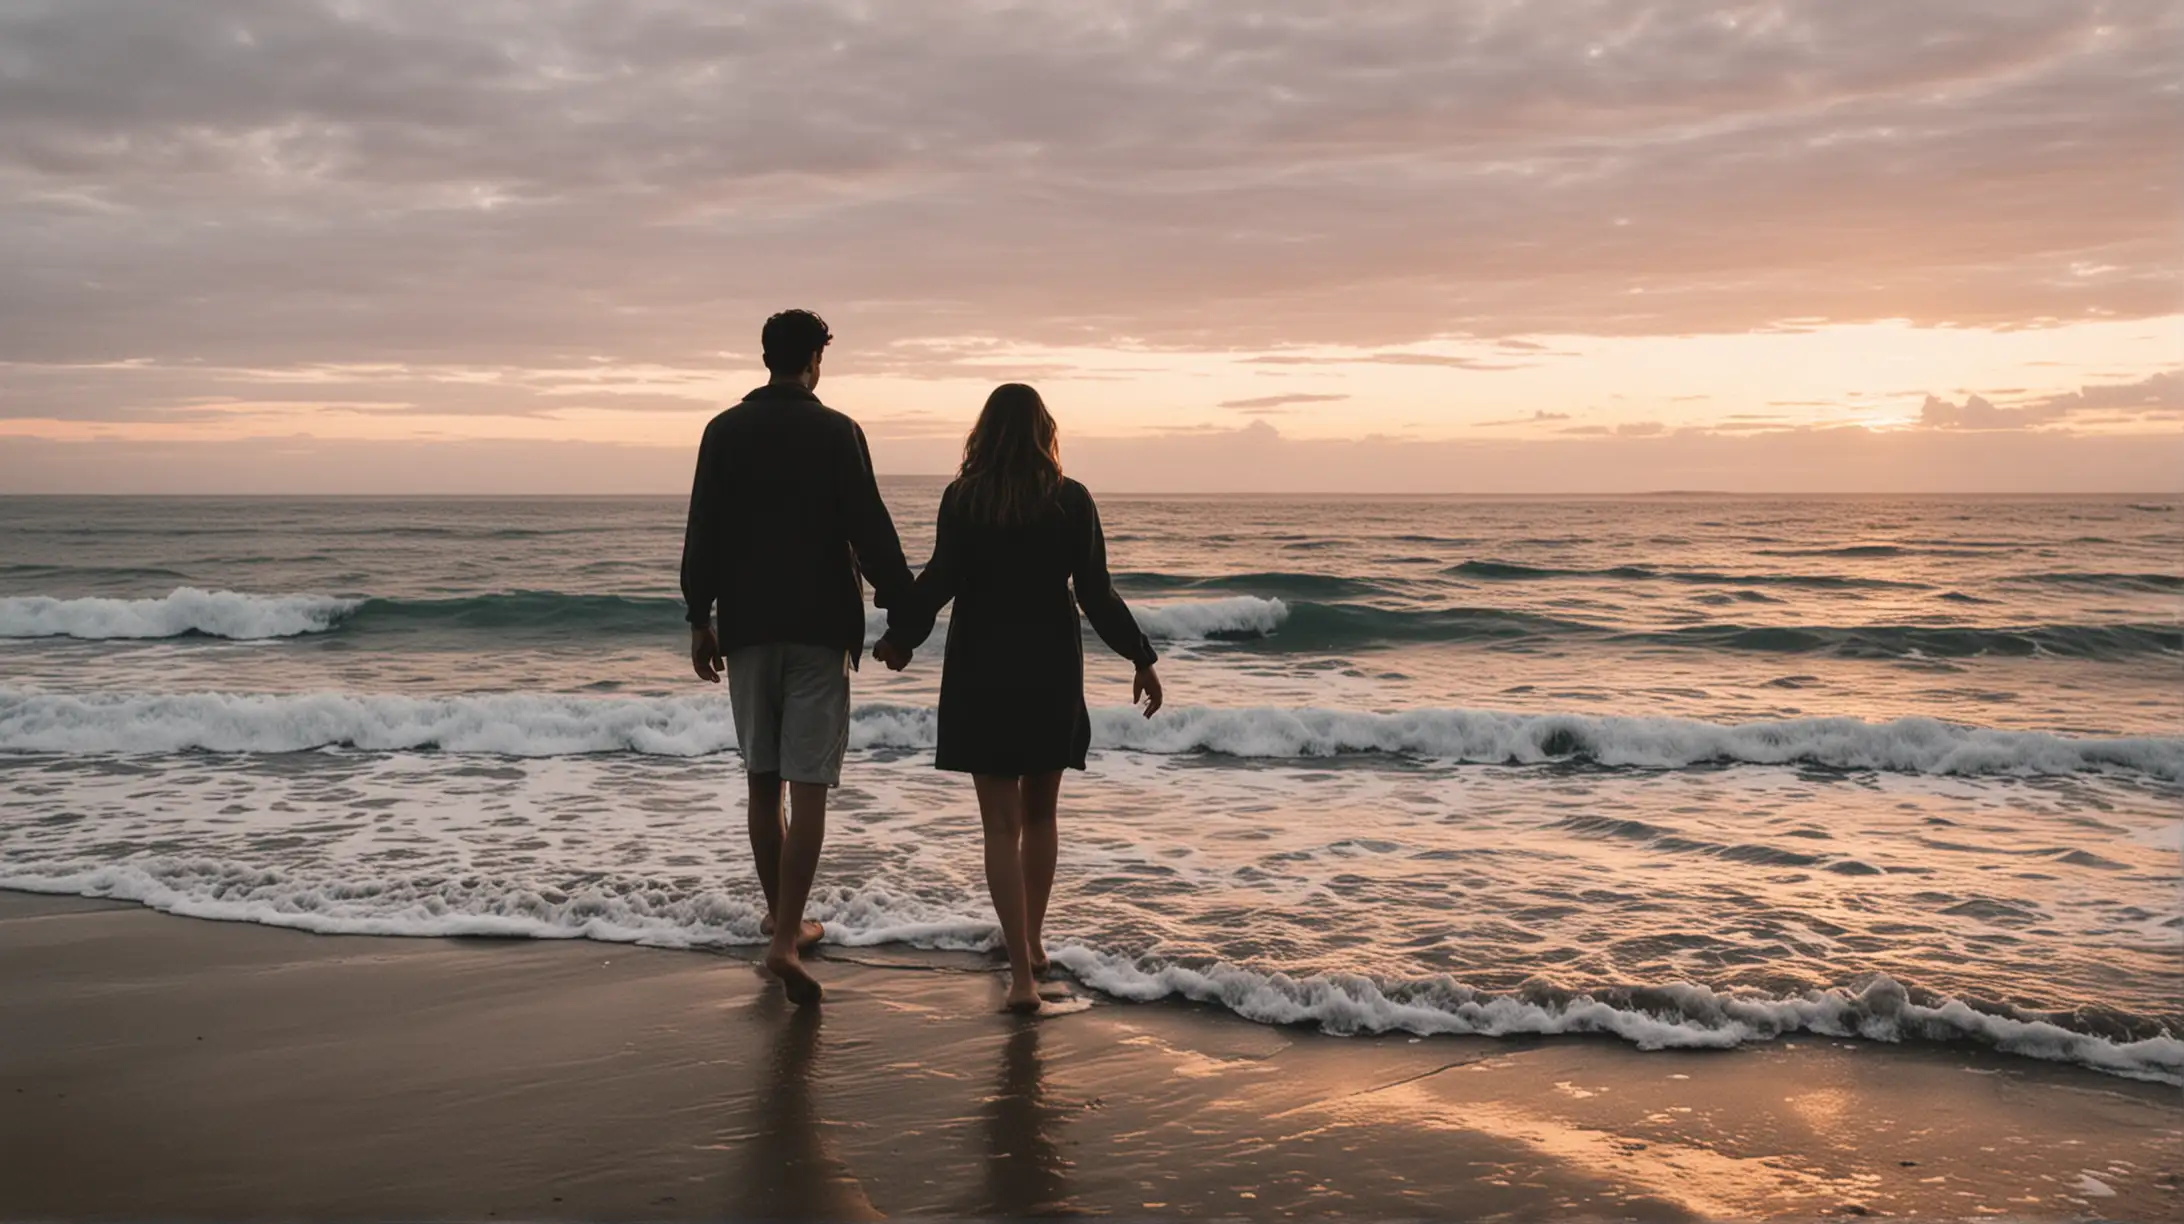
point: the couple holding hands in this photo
(785, 514)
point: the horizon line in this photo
(1382, 494)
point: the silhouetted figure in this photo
(784, 514)
(1015, 539)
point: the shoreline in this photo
(166, 1066)
(1674, 1016)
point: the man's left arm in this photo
(872, 534)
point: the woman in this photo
(1015, 536)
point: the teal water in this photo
(1695, 771)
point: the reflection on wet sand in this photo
(792, 1173)
(1026, 1173)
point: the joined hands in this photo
(895, 655)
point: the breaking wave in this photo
(186, 612)
(1266, 623)
(1235, 617)
(533, 725)
(189, 612)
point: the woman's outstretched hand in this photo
(1145, 687)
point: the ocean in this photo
(1689, 771)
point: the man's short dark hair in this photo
(790, 338)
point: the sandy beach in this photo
(169, 1067)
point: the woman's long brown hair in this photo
(1012, 462)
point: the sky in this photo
(1411, 246)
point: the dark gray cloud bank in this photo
(217, 185)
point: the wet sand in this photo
(155, 1066)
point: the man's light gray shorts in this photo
(792, 709)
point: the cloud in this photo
(1409, 359)
(1629, 429)
(2160, 396)
(170, 390)
(1537, 417)
(915, 425)
(1436, 359)
(1265, 402)
(1974, 413)
(503, 183)
(230, 189)
(1798, 460)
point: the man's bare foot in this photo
(806, 937)
(801, 987)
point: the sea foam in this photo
(240, 616)
(1674, 1015)
(613, 910)
(1905, 745)
(183, 612)
(1292, 626)
(1669, 1015)
(533, 725)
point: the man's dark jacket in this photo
(784, 513)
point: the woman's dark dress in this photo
(1012, 693)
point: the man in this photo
(784, 514)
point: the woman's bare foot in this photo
(801, 987)
(1023, 999)
(806, 936)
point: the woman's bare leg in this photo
(1040, 848)
(1001, 809)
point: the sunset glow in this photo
(1562, 229)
